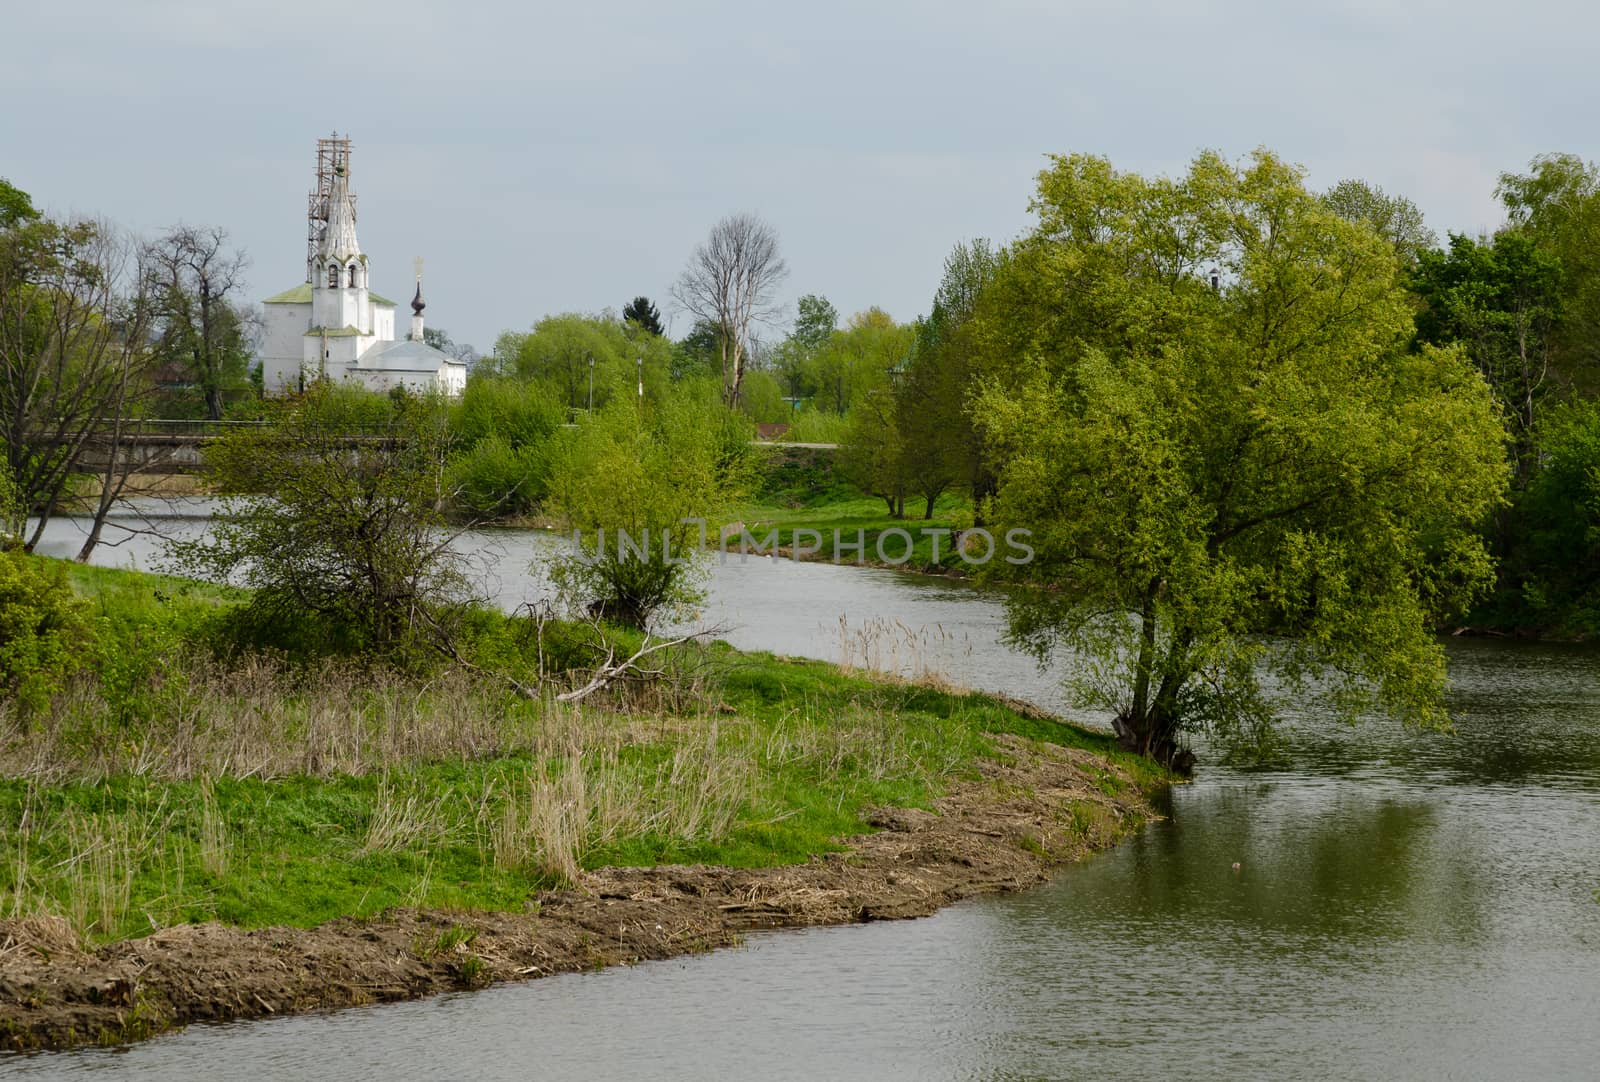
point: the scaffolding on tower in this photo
(333, 157)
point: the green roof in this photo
(301, 294)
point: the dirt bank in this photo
(1041, 807)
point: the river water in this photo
(1407, 905)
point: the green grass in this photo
(131, 600)
(291, 795)
(803, 489)
(846, 520)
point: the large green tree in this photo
(815, 321)
(945, 447)
(874, 455)
(642, 311)
(856, 360)
(1225, 477)
(16, 206)
(1551, 573)
(1394, 217)
(1501, 299)
(1556, 204)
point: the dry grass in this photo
(895, 650)
(403, 820)
(91, 888)
(595, 795)
(213, 831)
(259, 718)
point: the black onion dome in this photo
(417, 303)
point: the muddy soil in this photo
(1039, 807)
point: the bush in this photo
(817, 426)
(521, 414)
(343, 539)
(644, 470)
(496, 479)
(45, 633)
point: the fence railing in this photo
(183, 428)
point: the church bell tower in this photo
(335, 264)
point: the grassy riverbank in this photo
(170, 787)
(802, 489)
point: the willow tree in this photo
(1231, 465)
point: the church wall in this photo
(420, 382)
(282, 351)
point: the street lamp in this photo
(591, 383)
(641, 378)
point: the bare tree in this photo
(195, 279)
(729, 284)
(74, 357)
(119, 458)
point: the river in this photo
(1407, 905)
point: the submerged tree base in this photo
(1031, 808)
(1162, 747)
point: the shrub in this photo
(644, 470)
(45, 633)
(817, 426)
(521, 414)
(340, 537)
(495, 479)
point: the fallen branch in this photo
(611, 670)
(606, 673)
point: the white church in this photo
(332, 325)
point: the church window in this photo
(333, 276)
(352, 276)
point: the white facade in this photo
(334, 327)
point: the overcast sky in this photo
(548, 158)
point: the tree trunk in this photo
(1149, 727)
(1147, 655)
(46, 511)
(983, 486)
